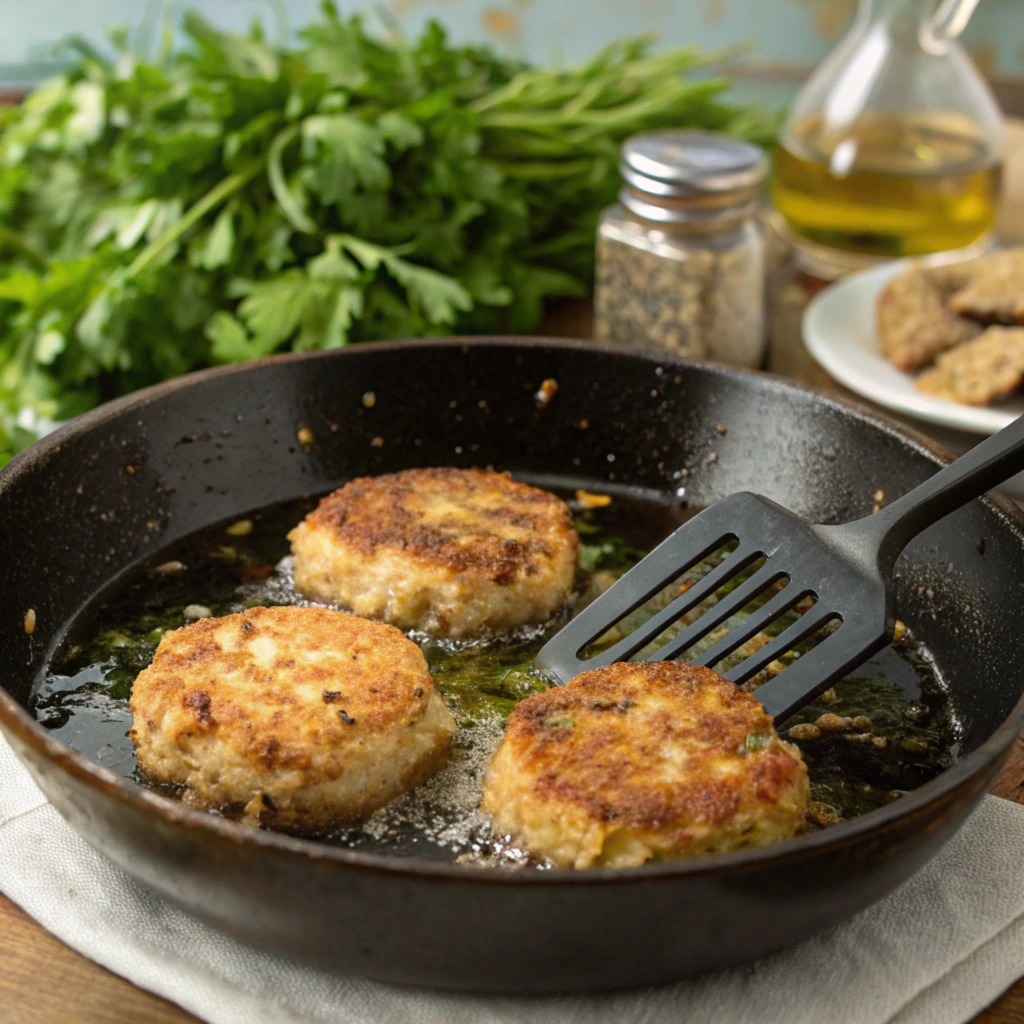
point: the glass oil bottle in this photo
(895, 145)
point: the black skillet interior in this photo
(119, 484)
(232, 444)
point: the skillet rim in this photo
(17, 722)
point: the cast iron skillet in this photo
(117, 484)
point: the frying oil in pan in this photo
(888, 729)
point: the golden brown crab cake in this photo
(980, 371)
(994, 291)
(454, 552)
(643, 761)
(306, 718)
(914, 324)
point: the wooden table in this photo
(43, 981)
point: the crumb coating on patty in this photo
(454, 552)
(305, 718)
(643, 761)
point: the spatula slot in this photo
(788, 645)
(677, 603)
(827, 655)
(743, 625)
(742, 597)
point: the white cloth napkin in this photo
(936, 951)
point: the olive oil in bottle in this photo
(889, 184)
(893, 146)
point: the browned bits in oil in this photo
(589, 499)
(377, 442)
(256, 809)
(899, 632)
(857, 737)
(823, 814)
(862, 722)
(804, 731)
(830, 722)
(166, 568)
(369, 400)
(30, 621)
(546, 392)
(242, 528)
(879, 495)
(346, 717)
(722, 429)
(914, 745)
(130, 469)
(305, 436)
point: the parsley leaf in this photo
(234, 198)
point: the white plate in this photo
(839, 331)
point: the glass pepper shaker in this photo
(680, 257)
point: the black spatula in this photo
(846, 570)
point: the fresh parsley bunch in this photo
(236, 198)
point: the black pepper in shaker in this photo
(680, 258)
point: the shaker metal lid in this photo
(679, 162)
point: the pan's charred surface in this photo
(123, 483)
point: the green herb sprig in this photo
(236, 198)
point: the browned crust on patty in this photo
(602, 763)
(914, 322)
(994, 290)
(276, 700)
(393, 511)
(376, 692)
(980, 371)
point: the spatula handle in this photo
(985, 466)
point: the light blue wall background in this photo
(785, 32)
